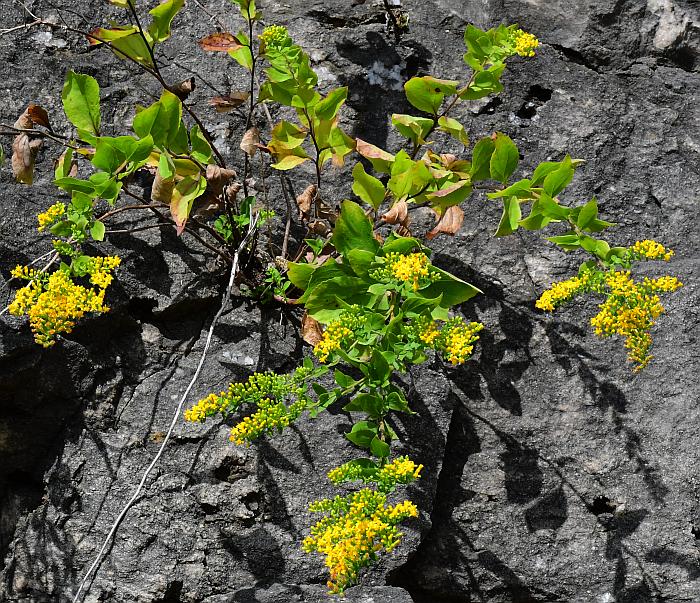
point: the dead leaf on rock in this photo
(224, 104)
(24, 152)
(311, 330)
(222, 41)
(38, 115)
(250, 141)
(450, 222)
(306, 200)
(217, 179)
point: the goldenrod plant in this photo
(374, 303)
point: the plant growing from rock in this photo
(374, 304)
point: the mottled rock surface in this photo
(553, 473)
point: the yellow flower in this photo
(356, 528)
(650, 250)
(101, 269)
(630, 310)
(457, 339)
(428, 331)
(52, 215)
(525, 43)
(338, 333)
(53, 305)
(274, 36)
(563, 291)
(401, 470)
(271, 416)
(206, 407)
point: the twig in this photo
(40, 133)
(173, 422)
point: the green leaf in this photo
(427, 93)
(378, 369)
(557, 180)
(413, 128)
(124, 41)
(289, 162)
(63, 166)
(505, 158)
(328, 108)
(353, 230)
(242, 56)
(98, 231)
(397, 244)
(454, 129)
(485, 83)
(379, 448)
(343, 380)
(161, 120)
(163, 16)
(201, 149)
(481, 159)
(286, 135)
(598, 247)
(360, 261)
(362, 433)
(299, 274)
(81, 102)
(520, 189)
(367, 187)
(454, 291)
(587, 215)
(368, 403)
(568, 242)
(541, 172)
(113, 154)
(510, 218)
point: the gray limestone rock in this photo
(553, 473)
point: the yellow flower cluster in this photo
(206, 407)
(564, 291)
(357, 527)
(525, 43)
(54, 305)
(630, 310)
(413, 268)
(338, 333)
(401, 470)
(274, 36)
(271, 416)
(267, 391)
(52, 215)
(457, 340)
(26, 273)
(428, 331)
(101, 269)
(650, 250)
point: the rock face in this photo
(552, 472)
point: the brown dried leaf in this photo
(39, 115)
(184, 88)
(306, 200)
(223, 104)
(311, 330)
(220, 42)
(162, 188)
(250, 141)
(217, 179)
(450, 222)
(398, 214)
(24, 151)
